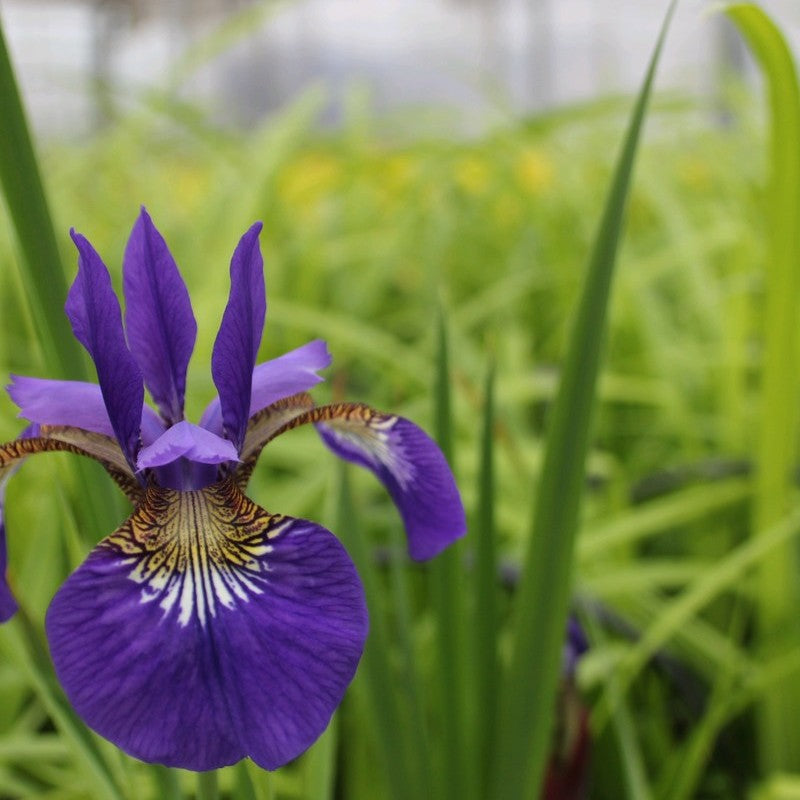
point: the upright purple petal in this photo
(93, 311)
(236, 346)
(409, 464)
(206, 630)
(159, 322)
(291, 373)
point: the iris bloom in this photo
(206, 629)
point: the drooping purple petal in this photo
(411, 466)
(93, 311)
(206, 630)
(74, 403)
(239, 337)
(291, 373)
(159, 322)
(186, 440)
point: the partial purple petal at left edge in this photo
(247, 652)
(413, 469)
(291, 373)
(94, 312)
(8, 605)
(239, 337)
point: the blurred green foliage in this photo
(367, 233)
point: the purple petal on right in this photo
(93, 311)
(410, 465)
(284, 376)
(159, 322)
(239, 337)
(206, 630)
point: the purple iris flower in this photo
(206, 629)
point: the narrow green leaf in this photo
(446, 586)
(484, 622)
(385, 723)
(542, 603)
(778, 592)
(43, 278)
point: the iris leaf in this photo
(778, 595)
(527, 703)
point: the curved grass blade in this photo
(529, 688)
(23, 190)
(778, 593)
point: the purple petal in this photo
(291, 373)
(8, 605)
(159, 321)
(206, 630)
(411, 466)
(54, 402)
(74, 403)
(236, 346)
(93, 311)
(186, 440)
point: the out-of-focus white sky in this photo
(479, 57)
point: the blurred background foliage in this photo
(368, 232)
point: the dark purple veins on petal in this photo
(239, 337)
(94, 312)
(159, 322)
(410, 465)
(196, 651)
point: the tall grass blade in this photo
(778, 591)
(528, 698)
(446, 588)
(42, 276)
(385, 720)
(484, 621)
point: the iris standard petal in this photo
(293, 372)
(206, 630)
(239, 337)
(159, 322)
(411, 466)
(93, 311)
(186, 440)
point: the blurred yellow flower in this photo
(472, 174)
(303, 181)
(535, 171)
(695, 173)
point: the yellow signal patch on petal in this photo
(196, 551)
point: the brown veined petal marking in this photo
(194, 551)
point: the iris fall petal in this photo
(205, 630)
(410, 465)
